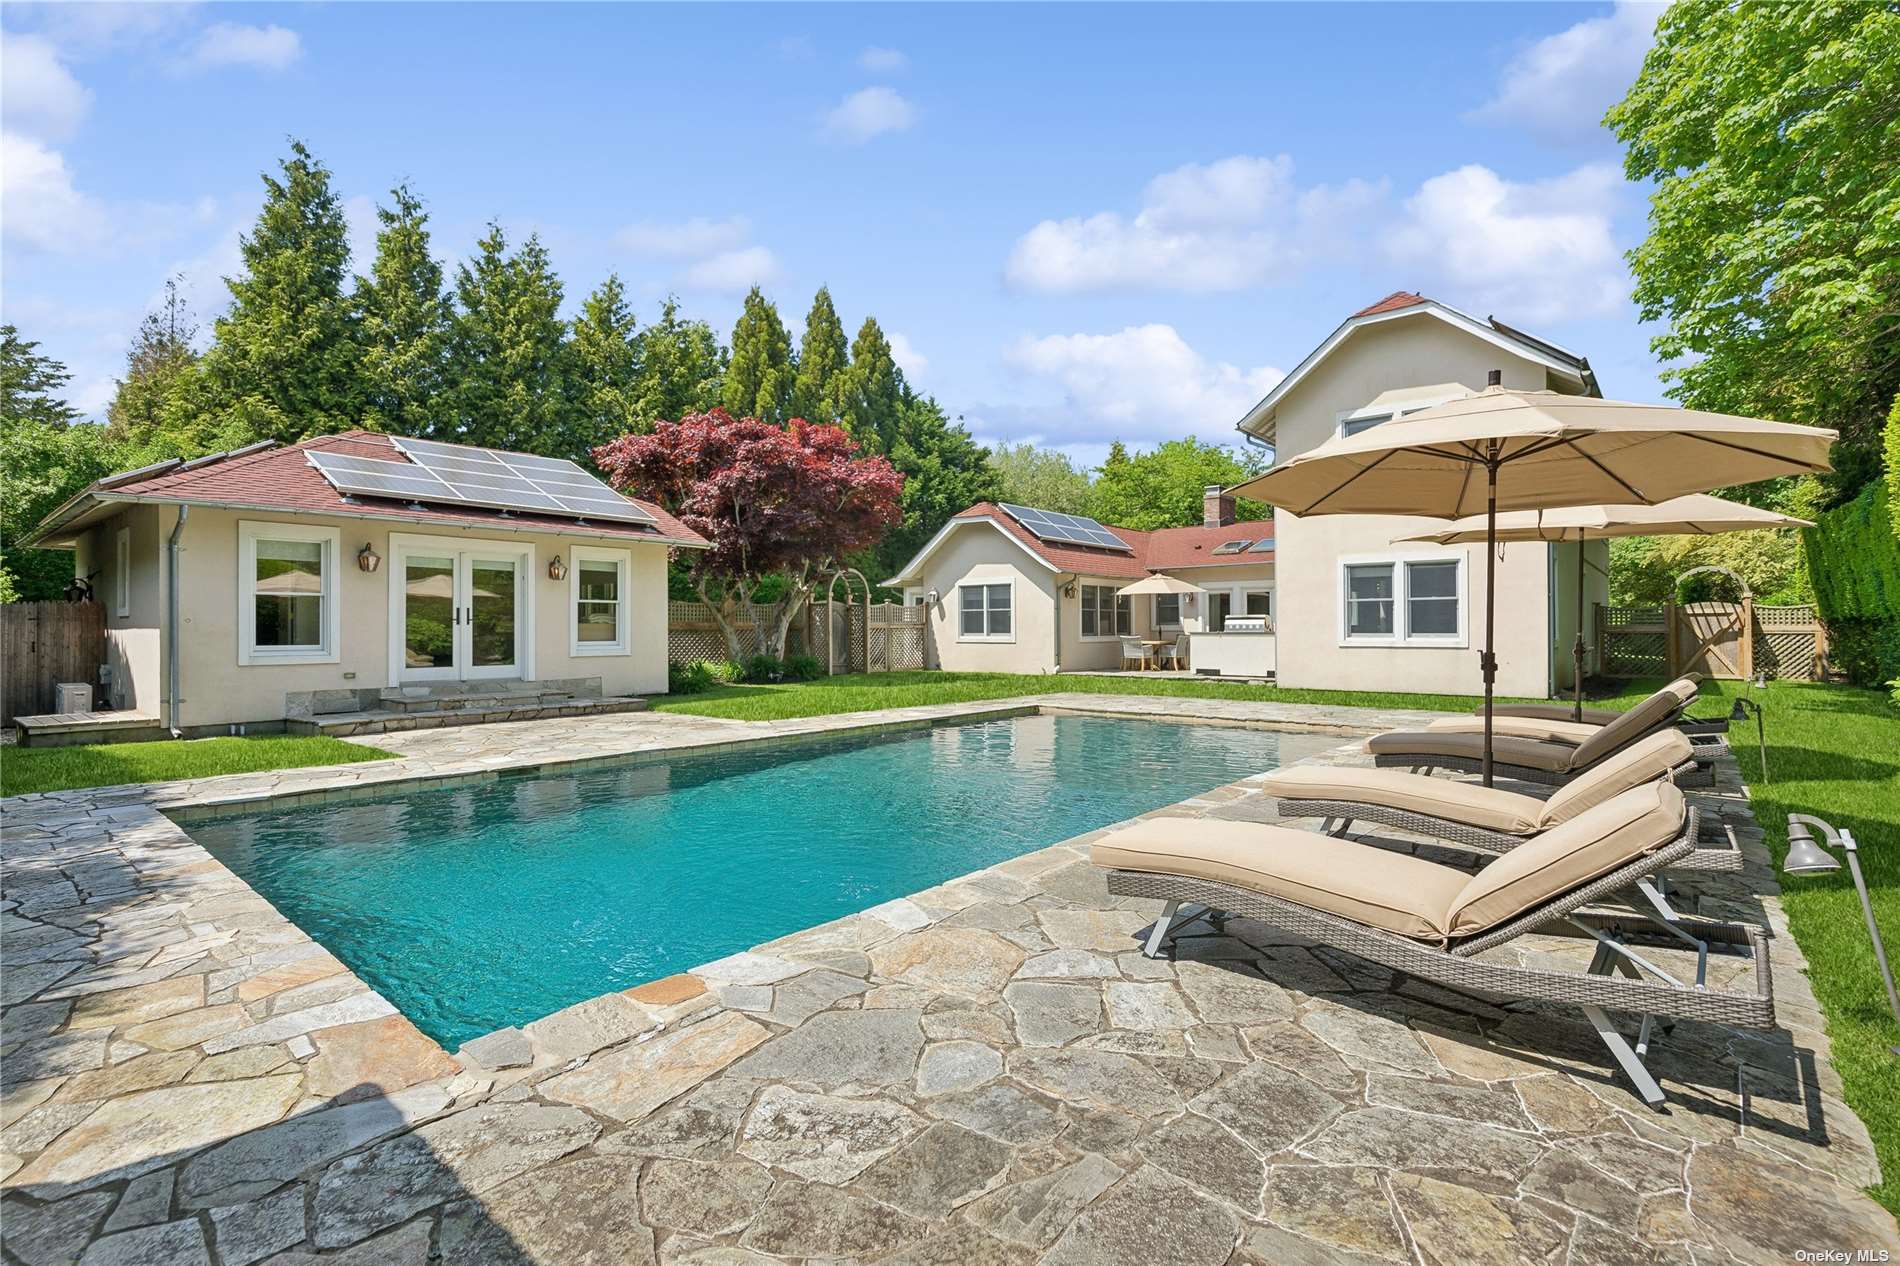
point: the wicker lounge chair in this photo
(1435, 922)
(1540, 760)
(1553, 723)
(1603, 716)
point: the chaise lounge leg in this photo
(1627, 1059)
(1160, 933)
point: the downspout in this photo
(171, 621)
(1061, 580)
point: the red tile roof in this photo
(1165, 549)
(283, 479)
(1393, 302)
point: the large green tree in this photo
(1165, 486)
(160, 365)
(404, 320)
(873, 390)
(760, 375)
(1771, 133)
(284, 363)
(682, 367)
(822, 358)
(46, 455)
(945, 471)
(510, 363)
(606, 364)
(1044, 478)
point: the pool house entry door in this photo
(459, 610)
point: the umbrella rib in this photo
(1620, 481)
(1342, 487)
(1800, 467)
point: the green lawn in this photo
(28, 769)
(861, 692)
(1833, 752)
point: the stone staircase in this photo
(341, 713)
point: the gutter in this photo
(171, 621)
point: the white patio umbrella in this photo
(1693, 515)
(1160, 584)
(1501, 449)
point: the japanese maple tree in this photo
(773, 501)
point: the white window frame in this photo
(1237, 593)
(1114, 635)
(623, 560)
(986, 636)
(250, 532)
(1180, 612)
(122, 574)
(1347, 421)
(525, 556)
(1402, 634)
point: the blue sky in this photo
(1079, 223)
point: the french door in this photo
(459, 612)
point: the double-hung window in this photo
(984, 613)
(1403, 602)
(1106, 613)
(598, 598)
(1167, 610)
(122, 574)
(287, 603)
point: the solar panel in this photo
(1068, 529)
(450, 474)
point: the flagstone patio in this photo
(985, 1072)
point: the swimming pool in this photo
(488, 904)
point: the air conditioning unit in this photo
(72, 696)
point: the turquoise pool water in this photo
(492, 904)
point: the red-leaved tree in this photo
(788, 502)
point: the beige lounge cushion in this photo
(1369, 885)
(1451, 798)
(1546, 731)
(1566, 857)
(1638, 721)
(1506, 749)
(1646, 760)
(1551, 712)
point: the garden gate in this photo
(43, 644)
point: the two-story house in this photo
(1355, 610)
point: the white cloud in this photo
(42, 208)
(256, 47)
(1536, 251)
(1226, 225)
(39, 97)
(1560, 87)
(869, 113)
(883, 61)
(734, 271)
(1142, 384)
(908, 358)
(685, 239)
(102, 25)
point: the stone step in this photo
(393, 721)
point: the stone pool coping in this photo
(148, 984)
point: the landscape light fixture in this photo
(1740, 712)
(1806, 856)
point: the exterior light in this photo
(368, 559)
(557, 570)
(1807, 856)
(1740, 713)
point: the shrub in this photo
(804, 667)
(1854, 559)
(762, 668)
(724, 671)
(688, 679)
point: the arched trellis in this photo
(1747, 593)
(1720, 632)
(845, 574)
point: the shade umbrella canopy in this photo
(1693, 515)
(1501, 449)
(1160, 584)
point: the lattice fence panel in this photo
(692, 633)
(1634, 641)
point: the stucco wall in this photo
(132, 645)
(218, 690)
(1235, 576)
(979, 553)
(1098, 652)
(1414, 352)
(1596, 589)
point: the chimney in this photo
(1217, 508)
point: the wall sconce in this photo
(368, 559)
(557, 570)
(932, 598)
(1068, 590)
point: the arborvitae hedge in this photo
(1854, 562)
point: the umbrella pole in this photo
(1489, 660)
(1576, 651)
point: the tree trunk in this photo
(723, 615)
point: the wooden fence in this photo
(692, 633)
(43, 644)
(882, 637)
(1733, 640)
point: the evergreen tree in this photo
(822, 359)
(160, 362)
(30, 384)
(509, 359)
(404, 318)
(284, 363)
(46, 455)
(874, 391)
(606, 365)
(945, 471)
(760, 374)
(682, 368)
